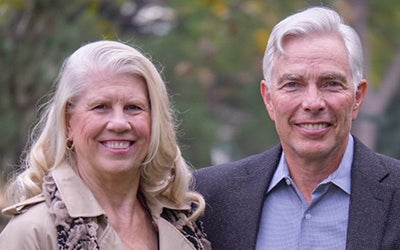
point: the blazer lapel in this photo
(234, 193)
(251, 183)
(369, 202)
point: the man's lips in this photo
(314, 126)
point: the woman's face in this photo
(110, 125)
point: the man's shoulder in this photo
(229, 175)
(392, 165)
(376, 165)
(228, 166)
(390, 161)
(268, 156)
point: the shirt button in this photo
(288, 182)
(308, 216)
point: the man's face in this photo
(312, 98)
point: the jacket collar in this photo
(235, 214)
(369, 197)
(84, 204)
(169, 236)
(81, 202)
(78, 198)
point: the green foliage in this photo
(384, 22)
(388, 141)
(38, 35)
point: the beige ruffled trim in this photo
(72, 233)
(192, 230)
(81, 232)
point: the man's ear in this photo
(361, 91)
(266, 95)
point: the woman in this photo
(103, 170)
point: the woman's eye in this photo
(100, 106)
(133, 107)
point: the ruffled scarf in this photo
(81, 232)
(72, 233)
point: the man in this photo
(321, 188)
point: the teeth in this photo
(314, 126)
(116, 144)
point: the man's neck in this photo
(309, 173)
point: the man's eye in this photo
(333, 84)
(291, 85)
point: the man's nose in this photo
(313, 100)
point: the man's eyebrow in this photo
(290, 76)
(323, 77)
(333, 76)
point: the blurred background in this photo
(210, 54)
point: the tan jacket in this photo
(32, 227)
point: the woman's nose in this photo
(118, 122)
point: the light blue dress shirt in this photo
(288, 222)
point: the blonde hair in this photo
(165, 176)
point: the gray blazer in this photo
(235, 193)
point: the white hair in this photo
(314, 20)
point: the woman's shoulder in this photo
(30, 226)
(23, 206)
(32, 212)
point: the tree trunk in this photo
(377, 99)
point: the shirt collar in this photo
(341, 177)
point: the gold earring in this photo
(69, 144)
